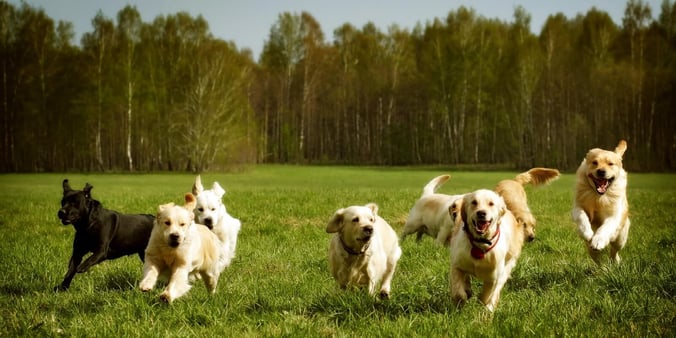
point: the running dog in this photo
(211, 212)
(430, 213)
(179, 248)
(107, 234)
(601, 210)
(513, 193)
(364, 249)
(486, 244)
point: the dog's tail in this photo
(537, 176)
(434, 184)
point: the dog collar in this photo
(477, 252)
(352, 252)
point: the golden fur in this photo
(429, 214)
(513, 193)
(364, 249)
(484, 225)
(601, 210)
(179, 248)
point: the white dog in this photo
(211, 212)
(179, 248)
(601, 209)
(486, 244)
(364, 250)
(429, 214)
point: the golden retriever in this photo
(486, 244)
(429, 215)
(513, 193)
(601, 210)
(179, 248)
(364, 249)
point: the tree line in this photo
(462, 89)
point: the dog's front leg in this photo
(75, 260)
(584, 228)
(607, 230)
(459, 285)
(489, 294)
(150, 274)
(178, 285)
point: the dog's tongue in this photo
(601, 184)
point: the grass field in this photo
(279, 283)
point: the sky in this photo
(248, 22)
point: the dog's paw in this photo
(384, 294)
(587, 234)
(166, 297)
(599, 243)
(60, 288)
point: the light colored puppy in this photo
(211, 212)
(486, 244)
(178, 248)
(429, 215)
(364, 249)
(513, 193)
(601, 209)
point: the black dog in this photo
(107, 234)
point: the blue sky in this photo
(248, 22)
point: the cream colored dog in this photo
(486, 244)
(364, 250)
(211, 212)
(513, 193)
(178, 248)
(601, 209)
(429, 215)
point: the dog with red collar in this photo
(486, 244)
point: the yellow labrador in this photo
(429, 215)
(513, 193)
(364, 249)
(601, 208)
(486, 244)
(179, 248)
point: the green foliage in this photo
(279, 283)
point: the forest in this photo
(462, 89)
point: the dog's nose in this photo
(601, 173)
(481, 214)
(368, 230)
(208, 221)
(174, 237)
(61, 213)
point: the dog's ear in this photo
(218, 190)
(336, 222)
(374, 208)
(621, 147)
(197, 187)
(164, 207)
(88, 190)
(463, 208)
(190, 202)
(66, 186)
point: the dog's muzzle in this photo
(481, 224)
(174, 240)
(63, 216)
(601, 183)
(209, 222)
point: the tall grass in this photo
(279, 283)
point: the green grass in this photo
(279, 283)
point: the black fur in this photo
(107, 234)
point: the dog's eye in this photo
(182, 224)
(490, 204)
(610, 163)
(356, 219)
(213, 209)
(595, 162)
(200, 209)
(167, 223)
(474, 202)
(371, 220)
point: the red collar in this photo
(477, 252)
